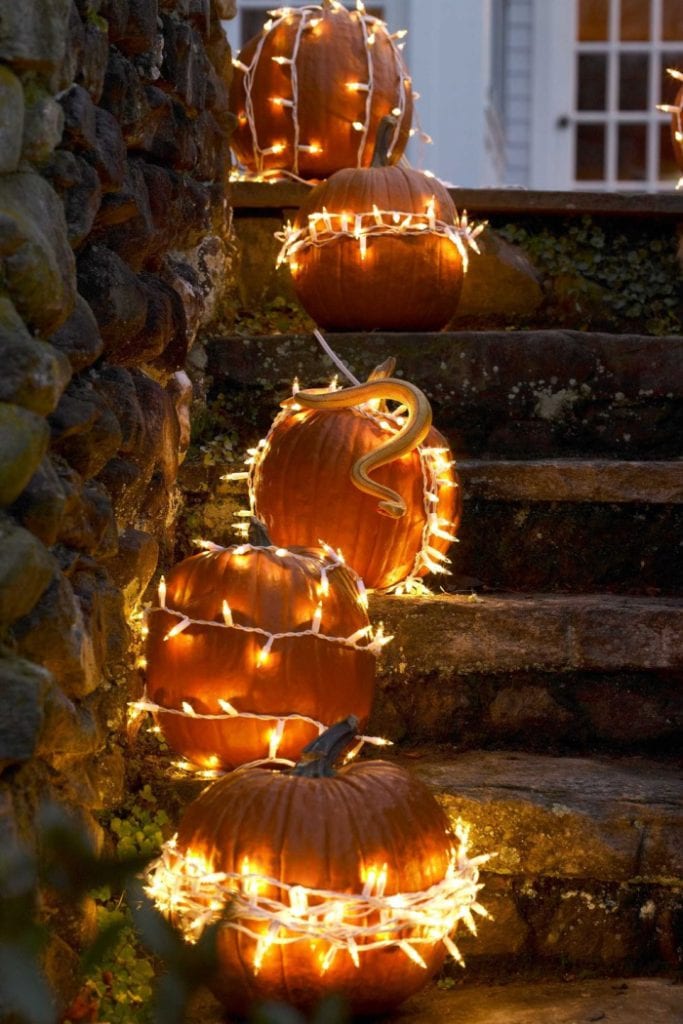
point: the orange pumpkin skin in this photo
(306, 676)
(409, 282)
(301, 487)
(321, 833)
(332, 54)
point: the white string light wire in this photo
(187, 888)
(321, 230)
(308, 18)
(677, 112)
(435, 464)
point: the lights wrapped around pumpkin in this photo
(310, 90)
(254, 649)
(349, 882)
(676, 111)
(378, 248)
(304, 481)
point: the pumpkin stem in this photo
(321, 755)
(385, 134)
(258, 534)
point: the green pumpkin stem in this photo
(258, 534)
(385, 133)
(320, 757)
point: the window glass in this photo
(592, 84)
(668, 86)
(590, 152)
(633, 81)
(635, 20)
(672, 20)
(632, 152)
(593, 20)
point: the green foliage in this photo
(626, 281)
(279, 316)
(140, 826)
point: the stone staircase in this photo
(538, 690)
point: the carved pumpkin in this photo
(302, 484)
(310, 90)
(378, 248)
(254, 649)
(347, 882)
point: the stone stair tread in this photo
(613, 1000)
(610, 819)
(573, 480)
(502, 632)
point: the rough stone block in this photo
(174, 142)
(26, 569)
(102, 605)
(179, 207)
(125, 224)
(213, 147)
(75, 47)
(23, 686)
(11, 120)
(71, 732)
(94, 61)
(79, 337)
(140, 32)
(115, 295)
(117, 385)
(34, 373)
(88, 523)
(79, 119)
(25, 437)
(125, 97)
(38, 262)
(53, 634)
(43, 126)
(184, 281)
(77, 183)
(33, 37)
(185, 66)
(109, 154)
(116, 14)
(133, 566)
(40, 507)
(85, 429)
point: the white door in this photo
(599, 73)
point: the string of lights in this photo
(321, 230)
(187, 887)
(309, 18)
(435, 463)
(676, 110)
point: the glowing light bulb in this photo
(162, 592)
(227, 614)
(178, 628)
(358, 126)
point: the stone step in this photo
(508, 394)
(612, 1000)
(552, 525)
(588, 869)
(540, 670)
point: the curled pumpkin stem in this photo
(411, 434)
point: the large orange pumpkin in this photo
(349, 882)
(675, 109)
(310, 90)
(301, 487)
(254, 649)
(378, 248)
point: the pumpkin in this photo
(254, 649)
(677, 128)
(310, 90)
(301, 483)
(349, 881)
(378, 248)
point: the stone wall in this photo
(113, 204)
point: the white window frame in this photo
(553, 156)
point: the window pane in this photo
(592, 85)
(593, 20)
(631, 157)
(672, 20)
(668, 169)
(590, 152)
(633, 81)
(635, 20)
(668, 86)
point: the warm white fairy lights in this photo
(325, 227)
(308, 20)
(188, 888)
(436, 465)
(676, 110)
(367, 638)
